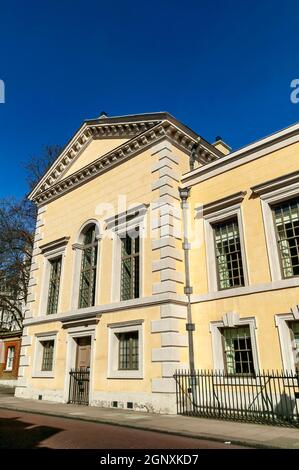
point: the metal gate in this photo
(263, 397)
(79, 386)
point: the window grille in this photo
(238, 350)
(286, 219)
(228, 254)
(47, 359)
(54, 284)
(88, 269)
(128, 350)
(295, 339)
(10, 357)
(130, 267)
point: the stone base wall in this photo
(163, 403)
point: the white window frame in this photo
(117, 232)
(113, 350)
(48, 257)
(9, 369)
(282, 321)
(77, 247)
(231, 320)
(38, 355)
(268, 200)
(75, 330)
(218, 217)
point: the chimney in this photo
(220, 145)
(103, 115)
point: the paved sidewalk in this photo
(253, 435)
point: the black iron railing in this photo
(266, 397)
(79, 386)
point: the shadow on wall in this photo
(18, 434)
(284, 410)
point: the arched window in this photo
(88, 268)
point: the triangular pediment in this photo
(94, 139)
(103, 142)
(95, 149)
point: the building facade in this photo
(10, 346)
(150, 240)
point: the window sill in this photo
(121, 374)
(225, 289)
(246, 290)
(43, 374)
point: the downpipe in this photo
(188, 290)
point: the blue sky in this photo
(222, 67)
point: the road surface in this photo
(19, 430)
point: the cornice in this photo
(276, 183)
(251, 152)
(84, 313)
(227, 201)
(88, 131)
(50, 188)
(117, 222)
(54, 244)
(10, 334)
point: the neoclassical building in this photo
(156, 251)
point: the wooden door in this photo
(83, 352)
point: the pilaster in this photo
(166, 221)
(29, 308)
(174, 346)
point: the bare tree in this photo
(16, 243)
(37, 166)
(17, 224)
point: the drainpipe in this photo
(190, 326)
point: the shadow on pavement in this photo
(18, 434)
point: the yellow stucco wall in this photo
(227, 183)
(263, 305)
(100, 351)
(64, 216)
(94, 149)
(133, 180)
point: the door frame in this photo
(78, 348)
(73, 334)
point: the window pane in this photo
(47, 359)
(286, 219)
(55, 272)
(130, 267)
(88, 269)
(295, 329)
(10, 358)
(127, 245)
(228, 254)
(238, 350)
(126, 279)
(136, 277)
(128, 350)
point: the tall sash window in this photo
(88, 269)
(286, 219)
(130, 266)
(238, 350)
(295, 342)
(228, 254)
(54, 285)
